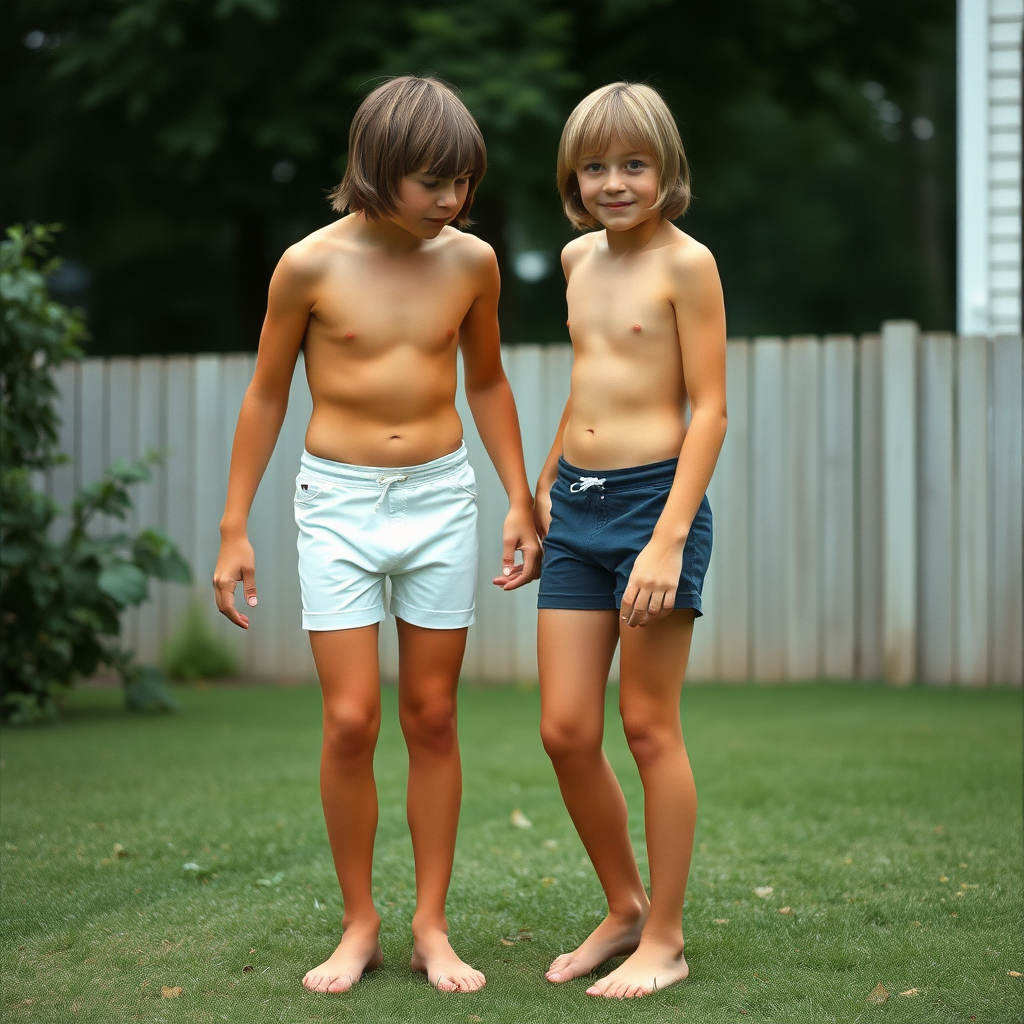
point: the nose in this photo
(448, 198)
(614, 183)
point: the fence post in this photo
(899, 500)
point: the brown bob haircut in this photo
(403, 127)
(642, 120)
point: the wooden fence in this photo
(867, 506)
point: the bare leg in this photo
(346, 661)
(653, 664)
(575, 650)
(429, 665)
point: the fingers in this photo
(224, 591)
(509, 543)
(249, 584)
(642, 603)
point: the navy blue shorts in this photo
(600, 522)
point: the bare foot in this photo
(614, 936)
(358, 951)
(653, 967)
(445, 970)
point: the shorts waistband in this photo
(647, 475)
(376, 476)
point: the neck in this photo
(385, 234)
(622, 243)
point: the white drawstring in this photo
(586, 482)
(385, 480)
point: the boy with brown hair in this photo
(380, 301)
(625, 521)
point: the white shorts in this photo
(361, 524)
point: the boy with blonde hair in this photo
(380, 302)
(626, 525)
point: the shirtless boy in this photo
(379, 301)
(628, 528)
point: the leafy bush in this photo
(62, 588)
(195, 651)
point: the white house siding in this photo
(989, 166)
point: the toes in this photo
(339, 985)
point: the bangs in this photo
(444, 144)
(602, 122)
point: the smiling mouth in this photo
(438, 220)
(616, 206)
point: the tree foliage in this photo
(188, 142)
(63, 582)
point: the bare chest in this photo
(368, 307)
(625, 311)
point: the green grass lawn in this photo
(889, 822)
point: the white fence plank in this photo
(60, 483)
(935, 522)
(899, 500)
(180, 441)
(1007, 560)
(770, 555)
(800, 519)
(150, 499)
(732, 521)
(837, 523)
(972, 511)
(869, 507)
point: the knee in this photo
(350, 730)
(430, 723)
(564, 738)
(649, 741)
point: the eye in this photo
(432, 183)
(593, 168)
(462, 181)
(635, 165)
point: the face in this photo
(619, 187)
(427, 203)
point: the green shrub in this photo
(195, 651)
(62, 588)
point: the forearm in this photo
(697, 460)
(494, 412)
(259, 423)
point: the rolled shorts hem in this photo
(322, 622)
(432, 618)
(589, 603)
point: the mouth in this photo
(438, 220)
(617, 206)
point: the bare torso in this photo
(628, 388)
(381, 343)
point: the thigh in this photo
(652, 664)
(346, 662)
(429, 663)
(574, 653)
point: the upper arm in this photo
(572, 252)
(289, 302)
(700, 321)
(479, 335)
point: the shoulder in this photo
(306, 260)
(472, 256)
(689, 262)
(573, 252)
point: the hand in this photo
(651, 590)
(236, 564)
(542, 508)
(518, 534)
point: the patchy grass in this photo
(889, 822)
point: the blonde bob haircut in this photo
(406, 126)
(642, 120)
